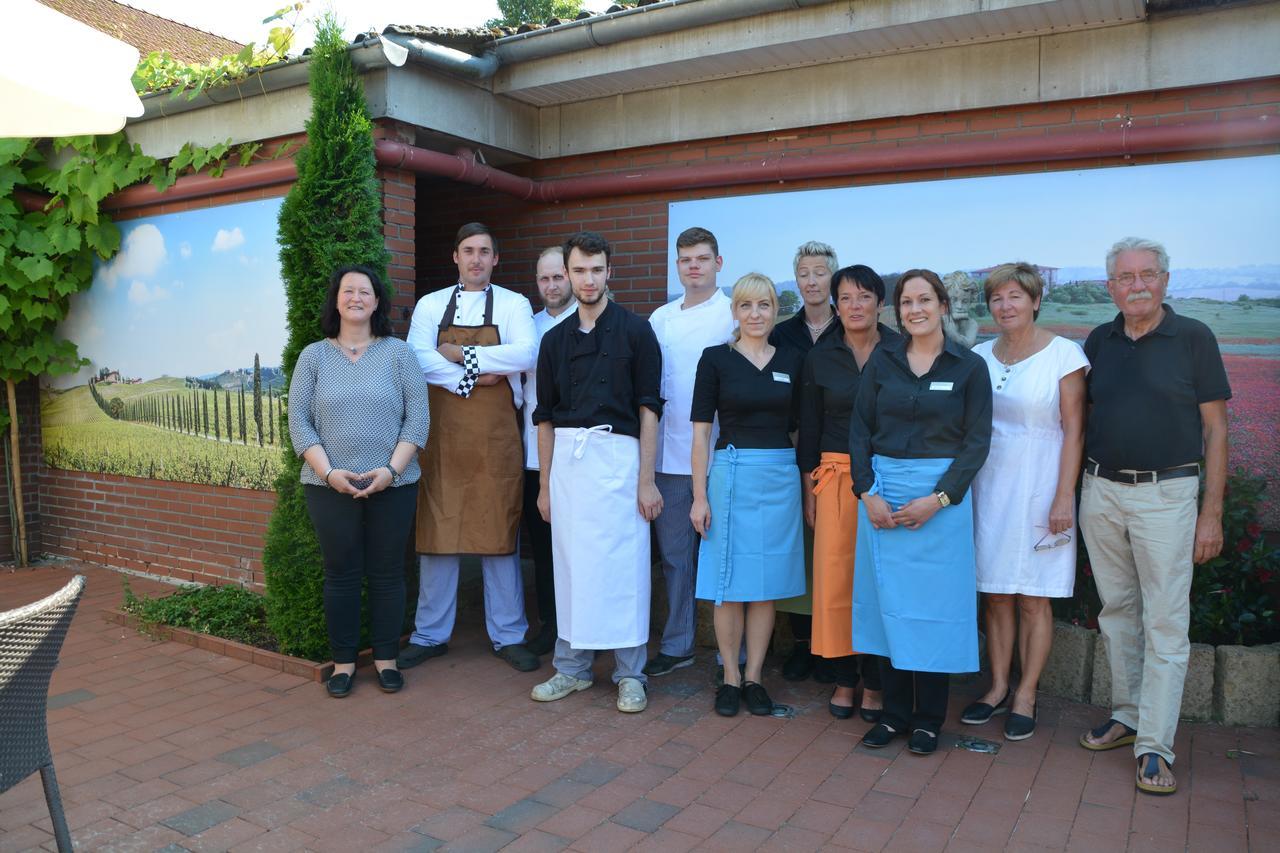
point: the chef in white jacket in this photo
(701, 318)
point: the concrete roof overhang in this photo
(709, 68)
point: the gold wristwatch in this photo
(942, 497)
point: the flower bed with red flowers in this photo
(1252, 414)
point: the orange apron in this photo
(472, 472)
(835, 532)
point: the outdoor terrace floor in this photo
(162, 746)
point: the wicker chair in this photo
(30, 638)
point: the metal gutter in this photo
(441, 58)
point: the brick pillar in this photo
(31, 459)
(399, 190)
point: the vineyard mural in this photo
(1218, 219)
(183, 332)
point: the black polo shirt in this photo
(944, 414)
(756, 406)
(1146, 394)
(794, 333)
(601, 377)
(828, 387)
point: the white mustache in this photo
(1136, 297)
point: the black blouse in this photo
(828, 386)
(757, 408)
(794, 333)
(945, 413)
(601, 377)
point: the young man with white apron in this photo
(599, 378)
(473, 341)
(685, 326)
(557, 306)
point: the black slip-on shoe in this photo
(728, 700)
(519, 656)
(757, 699)
(340, 684)
(414, 654)
(922, 742)
(1019, 726)
(977, 713)
(871, 715)
(879, 736)
(390, 680)
(661, 664)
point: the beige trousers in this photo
(1140, 541)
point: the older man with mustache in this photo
(1158, 416)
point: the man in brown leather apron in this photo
(473, 340)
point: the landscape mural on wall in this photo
(1217, 218)
(183, 331)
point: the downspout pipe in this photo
(438, 57)
(1082, 145)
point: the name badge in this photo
(941, 386)
(781, 377)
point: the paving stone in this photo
(197, 820)
(249, 754)
(521, 816)
(645, 815)
(594, 771)
(330, 793)
(71, 697)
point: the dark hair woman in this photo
(920, 432)
(357, 416)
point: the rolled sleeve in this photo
(646, 374)
(301, 414)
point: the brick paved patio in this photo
(162, 746)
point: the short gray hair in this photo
(814, 249)
(1137, 244)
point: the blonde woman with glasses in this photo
(1024, 497)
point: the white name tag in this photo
(781, 377)
(941, 386)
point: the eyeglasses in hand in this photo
(1050, 540)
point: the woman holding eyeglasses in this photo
(1024, 497)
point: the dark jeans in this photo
(539, 531)
(848, 668)
(361, 539)
(914, 700)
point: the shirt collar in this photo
(1167, 326)
(897, 344)
(461, 288)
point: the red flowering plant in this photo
(1234, 596)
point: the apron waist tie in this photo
(825, 473)
(583, 435)
(726, 571)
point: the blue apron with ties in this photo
(915, 591)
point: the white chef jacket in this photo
(683, 334)
(511, 314)
(543, 323)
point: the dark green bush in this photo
(229, 612)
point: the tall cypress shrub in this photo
(332, 216)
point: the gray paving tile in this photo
(71, 697)
(594, 771)
(562, 793)
(645, 815)
(250, 753)
(482, 839)
(197, 820)
(522, 816)
(330, 793)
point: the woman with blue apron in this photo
(919, 434)
(747, 508)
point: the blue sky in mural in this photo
(1219, 215)
(189, 294)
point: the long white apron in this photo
(599, 540)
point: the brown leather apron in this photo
(472, 469)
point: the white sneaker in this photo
(558, 687)
(631, 696)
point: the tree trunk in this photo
(20, 535)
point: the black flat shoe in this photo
(840, 712)
(879, 736)
(414, 654)
(519, 657)
(922, 742)
(390, 680)
(340, 684)
(728, 700)
(978, 713)
(799, 665)
(871, 715)
(758, 701)
(1020, 726)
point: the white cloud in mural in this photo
(225, 240)
(141, 255)
(232, 334)
(140, 294)
(185, 250)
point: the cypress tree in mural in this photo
(204, 405)
(271, 416)
(231, 430)
(257, 396)
(244, 427)
(332, 216)
(217, 429)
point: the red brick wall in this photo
(637, 225)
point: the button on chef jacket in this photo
(683, 334)
(601, 377)
(944, 414)
(543, 322)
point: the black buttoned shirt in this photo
(601, 377)
(756, 407)
(944, 414)
(794, 333)
(1146, 394)
(829, 384)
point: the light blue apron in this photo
(754, 550)
(915, 591)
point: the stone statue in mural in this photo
(961, 326)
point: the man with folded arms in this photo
(1158, 393)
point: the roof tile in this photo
(145, 31)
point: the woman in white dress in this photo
(1024, 496)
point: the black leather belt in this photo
(1134, 478)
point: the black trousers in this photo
(848, 669)
(914, 700)
(801, 626)
(539, 532)
(362, 539)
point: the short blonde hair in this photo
(1027, 277)
(751, 286)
